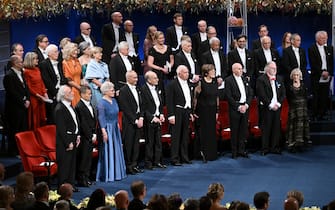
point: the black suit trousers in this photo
(66, 167)
(153, 146)
(238, 126)
(270, 129)
(131, 135)
(84, 158)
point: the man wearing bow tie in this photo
(16, 102)
(322, 65)
(41, 43)
(133, 41)
(132, 121)
(85, 35)
(271, 93)
(174, 33)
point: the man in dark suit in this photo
(139, 191)
(271, 93)
(53, 78)
(120, 64)
(187, 58)
(239, 95)
(41, 43)
(16, 102)
(112, 35)
(132, 121)
(41, 194)
(264, 55)
(204, 46)
(67, 136)
(174, 33)
(293, 57)
(153, 117)
(85, 35)
(88, 122)
(257, 43)
(133, 40)
(198, 37)
(322, 65)
(243, 56)
(179, 105)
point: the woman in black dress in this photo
(206, 103)
(160, 59)
(298, 121)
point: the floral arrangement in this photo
(16, 9)
(53, 196)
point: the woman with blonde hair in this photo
(215, 193)
(148, 43)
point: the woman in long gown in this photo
(72, 69)
(37, 90)
(97, 73)
(298, 121)
(85, 56)
(111, 164)
(206, 101)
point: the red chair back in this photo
(284, 115)
(46, 136)
(254, 129)
(223, 126)
(165, 133)
(119, 119)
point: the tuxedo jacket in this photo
(196, 41)
(175, 97)
(233, 93)
(256, 44)
(80, 39)
(289, 61)
(203, 47)
(136, 41)
(180, 59)
(108, 41)
(87, 121)
(136, 204)
(264, 90)
(39, 55)
(171, 36)
(148, 103)
(316, 63)
(49, 77)
(128, 105)
(117, 71)
(234, 57)
(260, 60)
(207, 58)
(39, 205)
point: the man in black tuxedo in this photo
(271, 93)
(132, 121)
(262, 31)
(41, 194)
(179, 105)
(204, 46)
(133, 40)
(321, 60)
(16, 102)
(85, 35)
(174, 33)
(53, 78)
(187, 58)
(112, 35)
(198, 37)
(120, 64)
(87, 117)
(239, 95)
(67, 136)
(41, 43)
(293, 57)
(243, 56)
(264, 55)
(153, 117)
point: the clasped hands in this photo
(71, 145)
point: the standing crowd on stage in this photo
(82, 89)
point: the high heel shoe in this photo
(203, 157)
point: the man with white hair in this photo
(67, 136)
(120, 64)
(53, 78)
(85, 35)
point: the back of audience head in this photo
(138, 189)
(2, 172)
(242, 206)
(291, 204)
(62, 205)
(205, 203)
(331, 205)
(41, 191)
(65, 191)
(24, 184)
(104, 208)
(158, 202)
(215, 191)
(121, 199)
(297, 195)
(6, 196)
(191, 204)
(261, 200)
(233, 205)
(97, 199)
(174, 201)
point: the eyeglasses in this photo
(45, 41)
(88, 29)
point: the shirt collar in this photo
(115, 26)
(131, 86)
(151, 87)
(66, 103)
(87, 103)
(183, 82)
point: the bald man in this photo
(121, 200)
(85, 35)
(199, 36)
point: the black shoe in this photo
(159, 165)
(149, 167)
(130, 172)
(176, 164)
(234, 155)
(187, 162)
(243, 154)
(265, 152)
(138, 170)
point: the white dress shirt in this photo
(241, 53)
(203, 36)
(179, 33)
(297, 55)
(130, 41)
(154, 94)
(322, 52)
(126, 62)
(241, 88)
(268, 55)
(19, 74)
(73, 114)
(217, 62)
(186, 91)
(274, 100)
(190, 61)
(56, 70)
(116, 33)
(88, 105)
(44, 53)
(88, 39)
(135, 94)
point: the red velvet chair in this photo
(165, 133)
(254, 129)
(223, 124)
(46, 136)
(284, 116)
(33, 157)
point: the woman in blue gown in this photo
(111, 164)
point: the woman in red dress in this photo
(37, 90)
